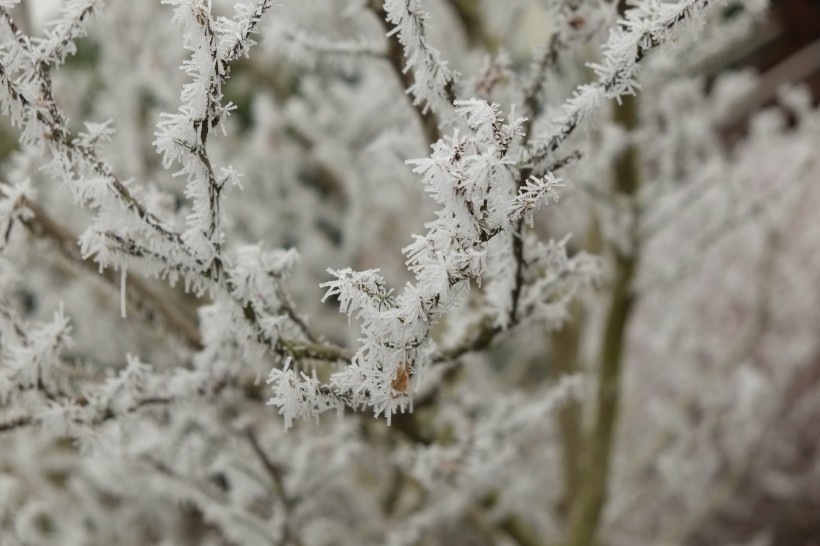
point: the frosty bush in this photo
(190, 191)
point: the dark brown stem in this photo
(531, 102)
(530, 110)
(274, 471)
(14, 424)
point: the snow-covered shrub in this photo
(579, 307)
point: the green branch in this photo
(594, 487)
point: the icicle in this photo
(122, 292)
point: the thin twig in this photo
(395, 57)
(278, 477)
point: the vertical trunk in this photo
(599, 446)
(563, 361)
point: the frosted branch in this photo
(645, 27)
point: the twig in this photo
(277, 476)
(140, 295)
(395, 56)
(14, 424)
(646, 44)
(106, 415)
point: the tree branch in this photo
(154, 308)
